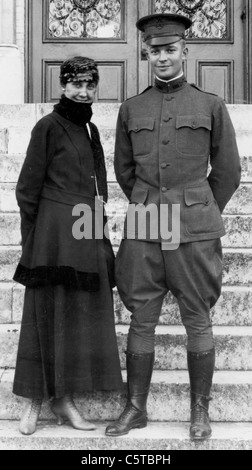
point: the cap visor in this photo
(160, 41)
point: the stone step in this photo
(3, 140)
(238, 230)
(246, 165)
(232, 308)
(233, 346)
(104, 115)
(169, 398)
(26, 115)
(237, 265)
(16, 123)
(10, 165)
(14, 140)
(240, 203)
(161, 437)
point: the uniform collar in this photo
(170, 86)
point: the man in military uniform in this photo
(165, 140)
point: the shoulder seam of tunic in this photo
(139, 94)
(203, 91)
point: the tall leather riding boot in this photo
(200, 368)
(139, 372)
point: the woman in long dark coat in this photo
(67, 341)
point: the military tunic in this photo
(175, 144)
(165, 140)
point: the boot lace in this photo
(34, 408)
(199, 415)
(128, 412)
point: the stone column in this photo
(7, 22)
(20, 26)
(12, 38)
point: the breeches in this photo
(145, 274)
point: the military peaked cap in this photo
(163, 28)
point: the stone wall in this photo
(16, 122)
(232, 320)
(12, 62)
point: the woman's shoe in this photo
(30, 416)
(65, 408)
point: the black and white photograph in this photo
(125, 230)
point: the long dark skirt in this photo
(67, 341)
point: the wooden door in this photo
(102, 30)
(216, 43)
(105, 30)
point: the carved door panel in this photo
(101, 29)
(105, 30)
(216, 59)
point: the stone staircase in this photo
(168, 405)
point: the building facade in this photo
(37, 35)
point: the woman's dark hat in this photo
(79, 69)
(163, 28)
